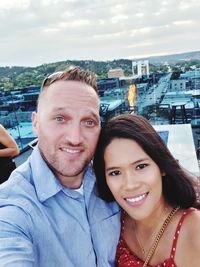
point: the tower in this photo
(140, 67)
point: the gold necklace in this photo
(143, 250)
(157, 237)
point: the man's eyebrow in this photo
(56, 109)
(95, 116)
(88, 112)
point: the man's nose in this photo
(74, 134)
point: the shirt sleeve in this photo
(16, 247)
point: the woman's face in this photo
(134, 179)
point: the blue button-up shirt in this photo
(43, 224)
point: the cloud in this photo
(41, 31)
(14, 4)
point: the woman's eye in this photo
(114, 173)
(141, 166)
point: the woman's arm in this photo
(11, 148)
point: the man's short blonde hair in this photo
(71, 74)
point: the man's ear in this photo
(163, 173)
(35, 122)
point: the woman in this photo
(158, 198)
(8, 149)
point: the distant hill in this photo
(16, 76)
(99, 67)
(175, 58)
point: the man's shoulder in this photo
(19, 189)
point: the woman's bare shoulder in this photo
(189, 241)
(193, 223)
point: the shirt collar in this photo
(47, 185)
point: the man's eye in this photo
(89, 123)
(114, 173)
(59, 119)
(141, 166)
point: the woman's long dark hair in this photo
(178, 185)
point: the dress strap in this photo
(178, 228)
(122, 223)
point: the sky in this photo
(35, 32)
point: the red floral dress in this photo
(125, 257)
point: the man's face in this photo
(67, 125)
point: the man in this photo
(50, 213)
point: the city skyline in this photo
(35, 32)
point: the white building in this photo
(140, 68)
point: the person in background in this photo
(50, 213)
(8, 149)
(161, 217)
